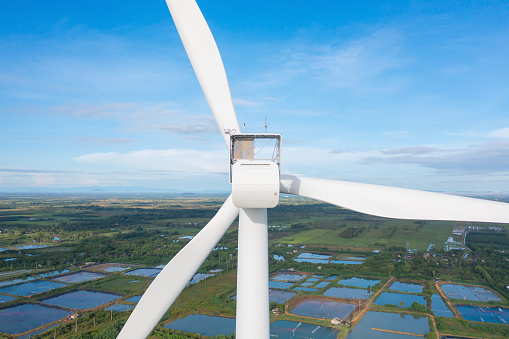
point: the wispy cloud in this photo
(355, 64)
(145, 117)
(186, 162)
(103, 141)
(484, 158)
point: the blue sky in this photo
(101, 93)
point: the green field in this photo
(406, 235)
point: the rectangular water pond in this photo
(405, 287)
(280, 296)
(308, 289)
(119, 308)
(322, 284)
(50, 274)
(346, 262)
(457, 291)
(79, 277)
(22, 318)
(284, 329)
(5, 298)
(347, 292)
(280, 284)
(33, 333)
(134, 299)
(31, 288)
(400, 300)
(289, 277)
(313, 258)
(323, 309)
(145, 272)
(81, 300)
(358, 282)
(204, 324)
(16, 281)
(495, 315)
(366, 328)
(199, 277)
(439, 308)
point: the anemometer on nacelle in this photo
(254, 169)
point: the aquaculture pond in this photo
(358, 282)
(346, 262)
(33, 333)
(81, 300)
(322, 284)
(145, 272)
(284, 329)
(332, 277)
(308, 289)
(31, 288)
(279, 257)
(16, 281)
(367, 327)
(134, 299)
(456, 291)
(199, 277)
(405, 287)
(119, 308)
(313, 258)
(79, 277)
(323, 309)
(347, 292)
(496, 315)
(22, 318)
(280, 296)
(280, 284)
(289, 277)
(4, 298)
(52, 273)
(399, 299)
(30, 247)
(204, 324)
(439, 308)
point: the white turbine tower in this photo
(256, 184)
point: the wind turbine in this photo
(256, 188)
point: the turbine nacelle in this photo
(254, 169)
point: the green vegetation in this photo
(148, 231)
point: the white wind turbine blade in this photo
(206, 61)
(391, 202)
(167, 286)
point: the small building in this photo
(276, 311)
(336, 321)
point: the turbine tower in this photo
(256, 184)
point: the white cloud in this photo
(354, 65)
(499, 133)
(185, 162)
(40, 179)
(145, 117)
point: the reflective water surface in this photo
(464, 292)
(22, 318)
(323, 309)
(81, 300)
(399, 299)
(389, 321)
